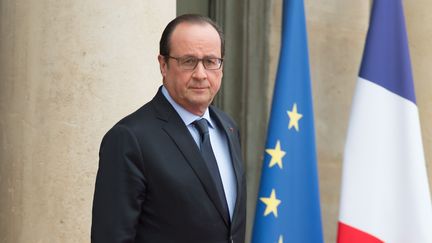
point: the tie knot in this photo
(202, 126)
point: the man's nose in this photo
(199, 72)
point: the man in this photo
(172, 170)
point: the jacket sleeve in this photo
(119, 189)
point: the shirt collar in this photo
(184, 114)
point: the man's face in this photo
(194, 89)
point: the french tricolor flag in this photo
(385, 195)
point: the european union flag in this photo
(288, 208)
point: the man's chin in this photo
(199, 104)
(203, 99)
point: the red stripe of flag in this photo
(348, 234)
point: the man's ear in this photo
(163, 65)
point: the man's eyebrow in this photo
(211, 56)
(206, 56)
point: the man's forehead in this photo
(192, 26)
(196, 34)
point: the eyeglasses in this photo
(190, 62)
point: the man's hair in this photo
(164, 43)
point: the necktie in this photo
(210, 159)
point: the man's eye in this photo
(211, 61)
(189, 61)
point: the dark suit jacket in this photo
(153, 185)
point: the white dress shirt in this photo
(220, 148)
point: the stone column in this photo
(69, 69)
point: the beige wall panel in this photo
(69, 70)
(337, 31)
(419, 24)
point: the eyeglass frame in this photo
(178, 59)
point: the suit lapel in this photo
(181, 136)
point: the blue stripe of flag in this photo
(386, 59)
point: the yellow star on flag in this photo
(294, 118)
(271, 204)
(277, 154)
(280, 239)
